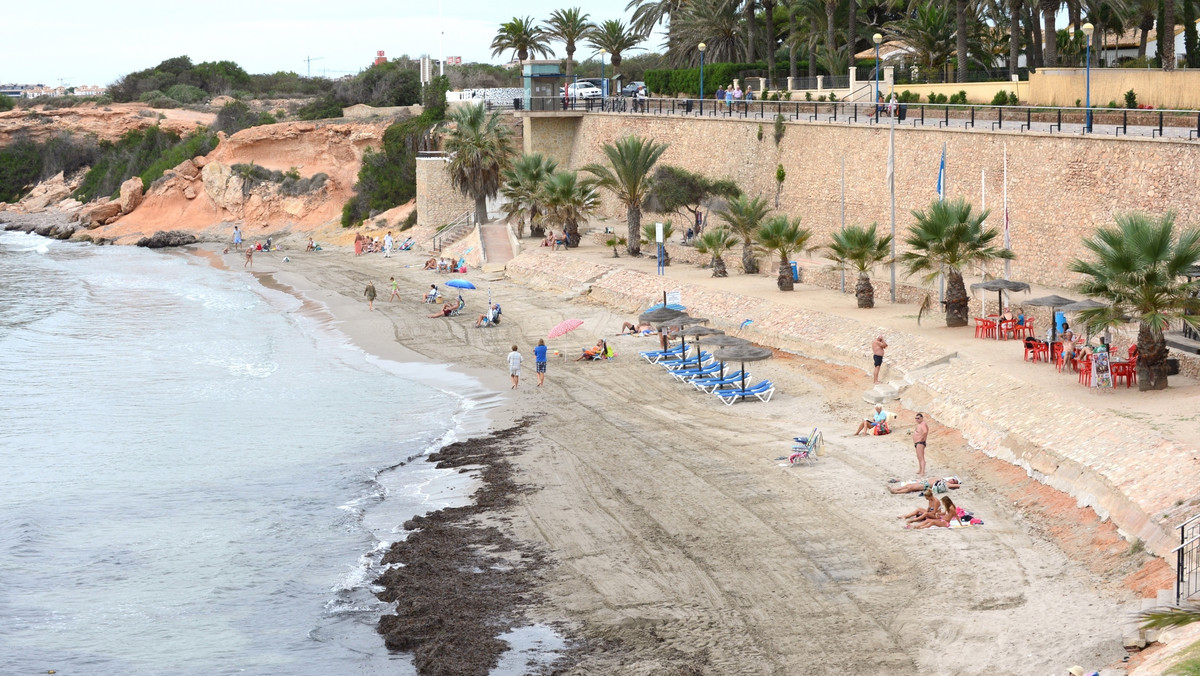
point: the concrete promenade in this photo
(1121, 452)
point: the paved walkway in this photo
(1130, 467)
(496, 243)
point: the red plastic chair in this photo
(1026, 329)
(1056, 356)
(985, 328)
(1084, 366)
(1007, 327)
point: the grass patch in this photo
(1136, 547)
(1188, 664)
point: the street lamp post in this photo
(877, 38)
(603, 80)
(1087, 30)
(702, 47)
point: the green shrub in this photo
(197, 144)
(6, 103)
(236, 116)
(807, 96)
(1112, 104)
(131, 155)
(1000, 99)
(409, 221)
(1131, 99)
(787, 96)
(20, 167)
(821, 98)
(1012, 99)
(320, 109)
(185, 93)
(163, 102)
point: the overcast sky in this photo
(88, 42)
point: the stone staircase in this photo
(496, 245)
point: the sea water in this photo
(198, 474)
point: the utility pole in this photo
(308, 61)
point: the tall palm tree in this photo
(570, 26)
(648, 14)
(481, 148)
(569, 201)
(744, 215)
(949, 237)
(748, 8)
(783, 236)
(627, 177)
(1139, 265)
(713, 22)
(1167, 57)
(523, 36)
(929, 31)
(522, 188)
(1014, 36)
(860, 249)
(716, 241)
(1049, 33)
(614, 36)
(961, 14)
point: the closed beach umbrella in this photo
(743, 354)
(1051, 302)
(460, 284)
(563, 328)
(697, 330)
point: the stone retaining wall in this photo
(1121, 470)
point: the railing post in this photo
(1124, 124)
(972, 117)
(922, 116)
(999, 118)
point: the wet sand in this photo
(674, 542)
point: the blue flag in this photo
(941, 184)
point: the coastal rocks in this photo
(222, 187)
(48, 192)
(169, 238)
(189, 192)
(100, 213)
(188, 170)
(131, 194)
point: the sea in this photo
(199, 474)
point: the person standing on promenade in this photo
(514, 366)
(369, 292)
(237, 238)
(387, 245)
(877, 348)
(920, 437)
(539, 358)
(395, 290)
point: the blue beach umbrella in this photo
(460, 284)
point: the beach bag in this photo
(882, 429)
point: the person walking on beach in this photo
(249, 258)
(920, 436)
(237, 238)
(387, 245)
(395, 290)
(369, 292)
(539, 358)
(514, 366)
(877, 348)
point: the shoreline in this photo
(692, 549)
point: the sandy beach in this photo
(670, 539)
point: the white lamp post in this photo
(702, 47)
(603, 80)
(1087, 30)
(877, 38)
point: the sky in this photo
(84, 42)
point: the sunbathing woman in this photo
(591, 354)
(431, 264)
(920, 485)
(446, 310)
(635, 330)
(931, 507)
(941, 520)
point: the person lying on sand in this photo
(446, 310)
(636, 330)
(919, 485)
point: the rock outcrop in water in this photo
(161, 240)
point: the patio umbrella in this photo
(1000, 286)
(1051, 302)
(1085, 304)
(660, 315)
(743, 354)
(460, 284)
(722, 340)
(563, 328)
(698, 330)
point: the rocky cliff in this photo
(105, 122)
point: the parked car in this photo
(631, 88)
(583, 90)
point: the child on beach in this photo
(395, 290)
(514, 366)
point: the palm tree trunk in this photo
(852, 30)
(1146, 24)
(570, 64)
(1152, 359)
(793, 69)
(1035, 39)
(749, 262)
(1049, 34)
(748, 14)
(784, 281)
(572, 228)
(633, 214)
(768, 16)
(481, 214)
(1167, 58)
(830, 28)
(956, 299)
(864, 291)
(960, 18)
(1014, 36)
(718, 267)
(812, 60)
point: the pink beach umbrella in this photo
(564, 328)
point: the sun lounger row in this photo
(705, 374)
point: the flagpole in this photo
(1007, 238)
(942, 197)
(892, 192)
(843, 215)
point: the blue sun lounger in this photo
(708, 385)
(761, 391)
(654, 356)
(713, 369)
(686, 362)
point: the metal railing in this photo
(1187, 563)
(1174, 124)
(450, 232)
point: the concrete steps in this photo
(885, 392)
(1135, 638)
(496, 244)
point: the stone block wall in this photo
(1060, 187)
(438, 202)
(552, 134)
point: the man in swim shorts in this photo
(877, 348)
(920, 436)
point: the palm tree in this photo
(570, 26)
(784, 237)
(1139, 266)
(480, 148)
(961, 14)
(713, 22)
(1169, 618)
(949, 237)
(1050, 34)
(522, 188)
(523, 36)
(744, 215)
(748, 7)
(717, 241)
(613, 35)
(627, 177)
(650, 13)
(860, 249)
(929, 31)
(570, 201)
(1014, 35)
